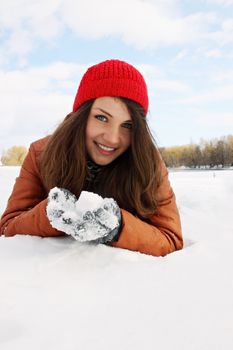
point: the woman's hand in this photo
(100, 224)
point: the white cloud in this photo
(220, 93)
(216, 53)
(39, 79)
(25, 22)
(19, 42)
(180, 56)
(215, 120)
(14, 13)
(148, 69)
(224, 35)
(34, 100)
(142, 24)
(156, 81)
(138, 23)
(224, 75)
(220, 2)
(170, 85)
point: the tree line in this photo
(14, 155)
(206, 154)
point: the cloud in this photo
(216, 53)
(220, 2)
(149, 69)
(224, 75)
(170, 85)
(34, 100)
(39, 79)
(180, 56)
(215, 120)
(24, 23)
(220, 93)
(36, 15)
(141, 24)
(156, 81)
(224, 35)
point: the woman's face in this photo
(108, 131)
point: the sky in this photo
(184, 49)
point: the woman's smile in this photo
(105, 149)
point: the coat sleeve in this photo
(162, 234)
(26, 207)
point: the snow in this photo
(57, 293)
(88, 201)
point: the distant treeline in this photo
(207, 154)
(14, 155)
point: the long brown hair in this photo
(132, 179)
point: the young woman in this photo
(104, 146)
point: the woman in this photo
(104, 146)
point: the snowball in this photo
(88, 201)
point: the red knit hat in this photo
(112, 78)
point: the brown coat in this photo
(26, 213)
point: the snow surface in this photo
(57, 293)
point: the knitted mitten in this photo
(89, 218)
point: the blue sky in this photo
(184, 49)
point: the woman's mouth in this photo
(104, 149)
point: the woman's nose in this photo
(112, 136)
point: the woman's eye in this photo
(101, 117)
(127, 125)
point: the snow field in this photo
(58, 293)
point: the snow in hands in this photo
(88, 218)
